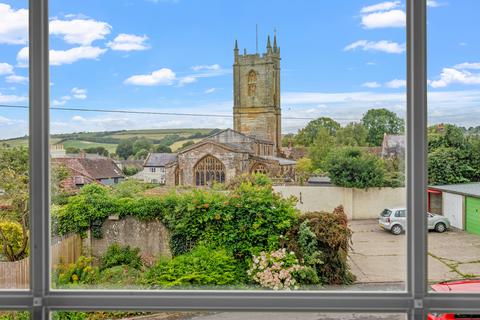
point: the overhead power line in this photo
(81, 109)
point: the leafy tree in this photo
(142, 144)
(323, 144)
(288, 140)
(160, 148)
(304, 169)
(142, 154)
(125, 149)
(307, 135)
(353, 135)
(381, 121)
(58, 173)
(449, 166)
(14, 180)
(72, 150)
(351, 168)
(97, 150)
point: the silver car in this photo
(395, 221)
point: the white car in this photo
(395, 221)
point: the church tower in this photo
(256, 87)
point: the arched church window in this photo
(208, 170)
(252, 83)
(259, 168)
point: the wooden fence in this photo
(15, 275)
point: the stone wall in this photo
(151, 237)
(358, 203)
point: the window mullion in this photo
(417, 153)
(39, 151)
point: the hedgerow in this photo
(244, 221)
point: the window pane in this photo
(14, 156)
(64, 315)
(173, 169)
(453, 147)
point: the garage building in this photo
(460, 203)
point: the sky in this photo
(339, 59)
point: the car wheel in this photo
(440, 227)
(397, 229)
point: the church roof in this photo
(281, 161)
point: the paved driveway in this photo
(379, 256)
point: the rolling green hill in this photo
(174, 138)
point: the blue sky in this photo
(339, 58)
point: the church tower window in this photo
(252, 83)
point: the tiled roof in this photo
(159, 159)
(95, 168)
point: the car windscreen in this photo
(386, 213)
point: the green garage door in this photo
(472, 210)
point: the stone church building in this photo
(255, 142)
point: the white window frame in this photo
(416, 301)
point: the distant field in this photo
(157, 134)
(87, 144)
(80, 140)
(24, 141)
(177, 145)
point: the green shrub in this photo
(92, 205)
(353, 168)
(200, 267)
(117, 255)
(333, 240)
(120, 276)
(13, 232)
(81, 272)
(14, 315)
(245, 221)
(97, 315)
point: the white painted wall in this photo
(358, 203)
(157, 175)
(453, 208)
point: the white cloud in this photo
(388, 5)
(213, 67)
(396, 83)
(383, 46)
(433, 3)
(452, 75)
(211, 90)
(80, 31)
(13, 25)
(468, 65)
(59, 103)
(387, 19)
(372, 84)
(59, 57)
(13, 78)
(128, 42)
(80, 94)
(186, 80)
(11, 98)
(162, 76)
(5, 68)
(78, 118)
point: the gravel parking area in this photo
(379, 256)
